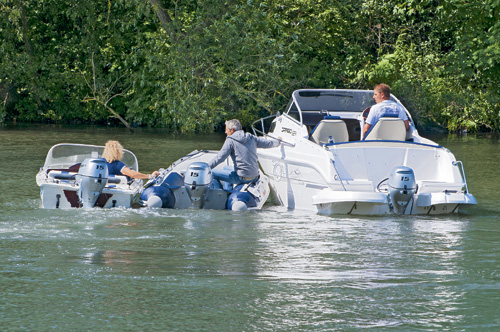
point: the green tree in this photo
(188, 65)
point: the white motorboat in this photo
(75, 176)
(324, 165)
(188, 183)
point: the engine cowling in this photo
(197, 180)
(91, 179)
(402, 187)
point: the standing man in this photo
(242, 147)
(384, 106)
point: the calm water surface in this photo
(271, 270)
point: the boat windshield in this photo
(67, 155)
(314, 104)
(334, 100)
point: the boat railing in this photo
(462, 172)
(263, 132)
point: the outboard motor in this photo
(197, 180)
(402, 187)
(91, 178)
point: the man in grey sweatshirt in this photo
(242, 147)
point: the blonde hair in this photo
(112, 151)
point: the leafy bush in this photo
(188, 66)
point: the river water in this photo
(269, 270)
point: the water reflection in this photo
(158, 242)
(390, 265)
(352, 248)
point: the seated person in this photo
(384, 106)
(113, 153)
(242, 147)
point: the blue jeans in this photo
(229, 175)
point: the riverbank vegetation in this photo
(188, 65)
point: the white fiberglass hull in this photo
(330, 202)
(296, 194)
(345, 179)
(65, 196)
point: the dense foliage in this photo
(188, 65)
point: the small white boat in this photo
(188, 183)
(324, 165)
(75, 176)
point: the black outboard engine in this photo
(402, 187)
(197, 180)
(91, 178)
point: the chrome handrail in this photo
(261, 120)
(462, 173)
(263, 133)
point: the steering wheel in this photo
(366, 112)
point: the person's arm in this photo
(407, 125)
(365, 129)
(223, 153)
(369, 122)
(267, 143)
(404, 116)
(137, 175)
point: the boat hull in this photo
(362, 203)
(307, 186)
(65, 196)
(188, 183)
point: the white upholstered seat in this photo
(392, 129)
(337, 129)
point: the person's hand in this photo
(154, 174)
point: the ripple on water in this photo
(269, 270)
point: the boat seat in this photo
(335, 128)
(387, 128)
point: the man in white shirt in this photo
(384, 106)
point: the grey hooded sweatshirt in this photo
(242, 147)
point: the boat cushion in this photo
(387, 128)
(335, 128)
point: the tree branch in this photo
(104, 98)
(162, 15)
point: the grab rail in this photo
(263, 129)
(336, 170)
(262, 125)
(462, 173)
